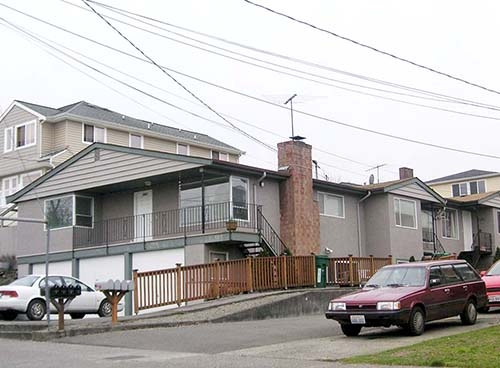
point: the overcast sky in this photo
(455, 37)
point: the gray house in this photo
(34, 139)
(111, 209)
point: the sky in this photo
(357, 108)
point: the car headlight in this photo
(388, 305)
(336, 306)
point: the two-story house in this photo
(34, 139)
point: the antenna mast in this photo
(291, 111)
(377, 167)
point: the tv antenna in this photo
(293, 137)
(378, 173)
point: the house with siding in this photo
(112, 209)
(34, 139)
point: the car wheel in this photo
(416, 323)
(8, 315)
(77, 315)
(351, 330)
(469, 314)
(36, 310)
(105, 309)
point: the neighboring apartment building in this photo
(34, 139)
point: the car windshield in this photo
(398, 276)
(25, 281)
(495, 270)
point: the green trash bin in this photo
(321, 269)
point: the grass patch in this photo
(476, 349)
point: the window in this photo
(427, 227)
(12, 184)
(405, 212)
(216, 155)
(69, 211)
(239, 191)
(449, 222)
(182, 149)
(471, 187)
(331, 205)
(25, 135)
(8, 140)
(93, 134)
(136, 141)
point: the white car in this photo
(23, 296)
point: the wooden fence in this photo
(352, 271)
(213, 280)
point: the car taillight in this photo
(9, 293)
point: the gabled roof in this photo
(469, 174)
(84, 110)
(473, 199)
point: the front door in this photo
(143, 215)
(467, 222)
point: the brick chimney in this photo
(405, 173)
(299, 211)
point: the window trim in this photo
(188, 149)
(467, 183)
(5, 140)
(455, 237)
(414, 214)
(333, 195)
(137, 135)
(73, 219)
(93, 133)
(14, 143)
(225, 154)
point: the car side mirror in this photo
(482, 273)
(434, 282)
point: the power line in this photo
(175, 80)
(441, 97)
(280, 106)
(373, 48)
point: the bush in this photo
(497, 255)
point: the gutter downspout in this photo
(359, 220)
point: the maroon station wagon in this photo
(409, 295)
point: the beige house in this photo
(34, 139)
(466, 183)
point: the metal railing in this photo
(483, 241)
(159, 288)
(352, 271)
(269, 235)
(164, 224)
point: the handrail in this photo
(270, 236)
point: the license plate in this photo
(358, 319)
(494, 298)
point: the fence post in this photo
(389, 257)
(178, 285)
(372, 265)
(249, 272)
(217, 276)
(136, 291)
(284, 272)
(351, 271)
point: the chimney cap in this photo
(297, 138)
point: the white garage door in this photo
(158, 260)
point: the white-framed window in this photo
(331, 205)
(239, 198)
(10, 185)
(25, 135)
(8, 139)
(223, 156)
(67, 211)
(93, 134)
(182, 149)
(405, 211)
(136, 141)
(449, 222)
(467, 188)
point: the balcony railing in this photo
(165, 224)
(483, 242)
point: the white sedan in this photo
(23, 296)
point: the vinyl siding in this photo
(28, 156)
(414, 191)
(234, 158)
(112, 167)
(445, 190)
(118, 137)
(493, 202)
(61, 157)
(199, 152)
(47, 138)
(156, 144)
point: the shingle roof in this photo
(463, 175)
(84, 109)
